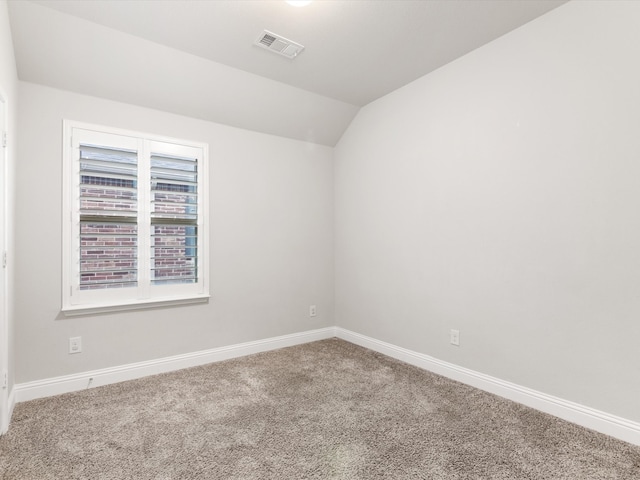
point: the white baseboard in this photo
(599, 421)
(603, 422)
(12, 402)
(6, 420)
(71, 383)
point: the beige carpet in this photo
(325, 410)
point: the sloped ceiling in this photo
(197, 58)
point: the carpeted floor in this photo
(324, 410)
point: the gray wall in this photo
(270, 254)
(499, 196)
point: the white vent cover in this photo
(277, 44)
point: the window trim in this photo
(70, 211)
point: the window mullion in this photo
(144, 220)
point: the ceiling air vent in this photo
(277, 44)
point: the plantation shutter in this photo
(108, 217)
(137, 233)
(174, 219)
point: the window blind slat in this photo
(107, 167)
(110, 154)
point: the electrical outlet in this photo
(454, 336)
(75, 344)
(312, 311)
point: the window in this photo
(137, 226)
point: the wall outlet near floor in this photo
(75, 344)
(454, 336)
(312, 311)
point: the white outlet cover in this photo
(455, 337)
(75, 344)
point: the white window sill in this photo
(78, 310)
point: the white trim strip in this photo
(71, 383)
(597, 420)
(78, 310)
(11, 402)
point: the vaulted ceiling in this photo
(197, 58)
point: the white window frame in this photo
(81, 302)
